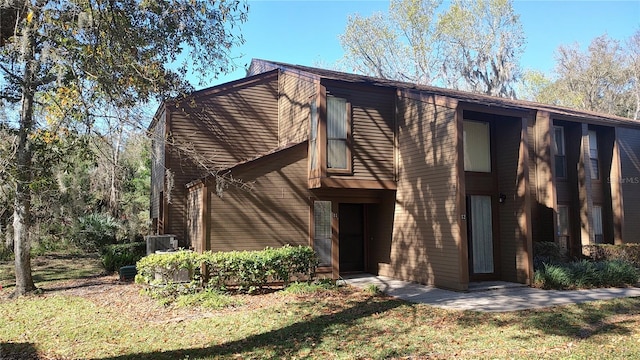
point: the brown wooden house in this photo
(412, 182)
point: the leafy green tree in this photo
(473, 45)
(62, 60)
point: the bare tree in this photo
(472, 45)
(603, 77)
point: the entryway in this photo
(351, 237)
(482, 247)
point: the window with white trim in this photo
(559, 152)
(338, 126)
(477, 148)
(597, 224)
(313, 135)
(563, 226)
(593, 154)
(322, 231)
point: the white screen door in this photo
(481, 234)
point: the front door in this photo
(480, 236)
(351, 237)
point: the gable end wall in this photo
(217, 131)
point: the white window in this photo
(597, 224)
(593, 154)
(559, 152)
(477, 148)
(337, 134)
(313, 136)
(322, 231)
(563, 226)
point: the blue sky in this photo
(306, 32)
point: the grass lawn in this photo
(100, 318)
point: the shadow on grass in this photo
(21, 351)
(579, 321)
(57, 267)
(280, 343)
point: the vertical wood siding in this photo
(194, 217)
(511, 236)
(373, 121)
(541, 177)
(426, 233)
(218, 130)
(629, 145)
(293, 103)
(274, 213)
(157, 163)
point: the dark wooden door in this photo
(351, 237)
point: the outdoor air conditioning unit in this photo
(161, 243)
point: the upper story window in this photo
(559, 152)
(329, 136)
(313, 136)
(593, 154)
(338, 131)
(477, 148)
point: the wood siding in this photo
(157, 163)
(629, 145)
(273, 213)
(380, 231)
(426, 234)
(214, 131)
(510, 175)
(541, 165)
(293, 104)
(373, 122)
(195, 217)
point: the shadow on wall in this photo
(274, 213)
(427, 228)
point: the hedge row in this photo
(625, 252)
(244, 270)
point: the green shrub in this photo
(619, 273)
(159, 269)
(551, 276)
(114, 257)
(547, 252)
(243, 270)
(586, 274)
(92, 232)
(625, 252)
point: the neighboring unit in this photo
(412, 182)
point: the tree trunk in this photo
(113, 185)
(22, 205)
(24, 154)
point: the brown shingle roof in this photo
(258, 65)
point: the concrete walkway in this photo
(494, 297)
